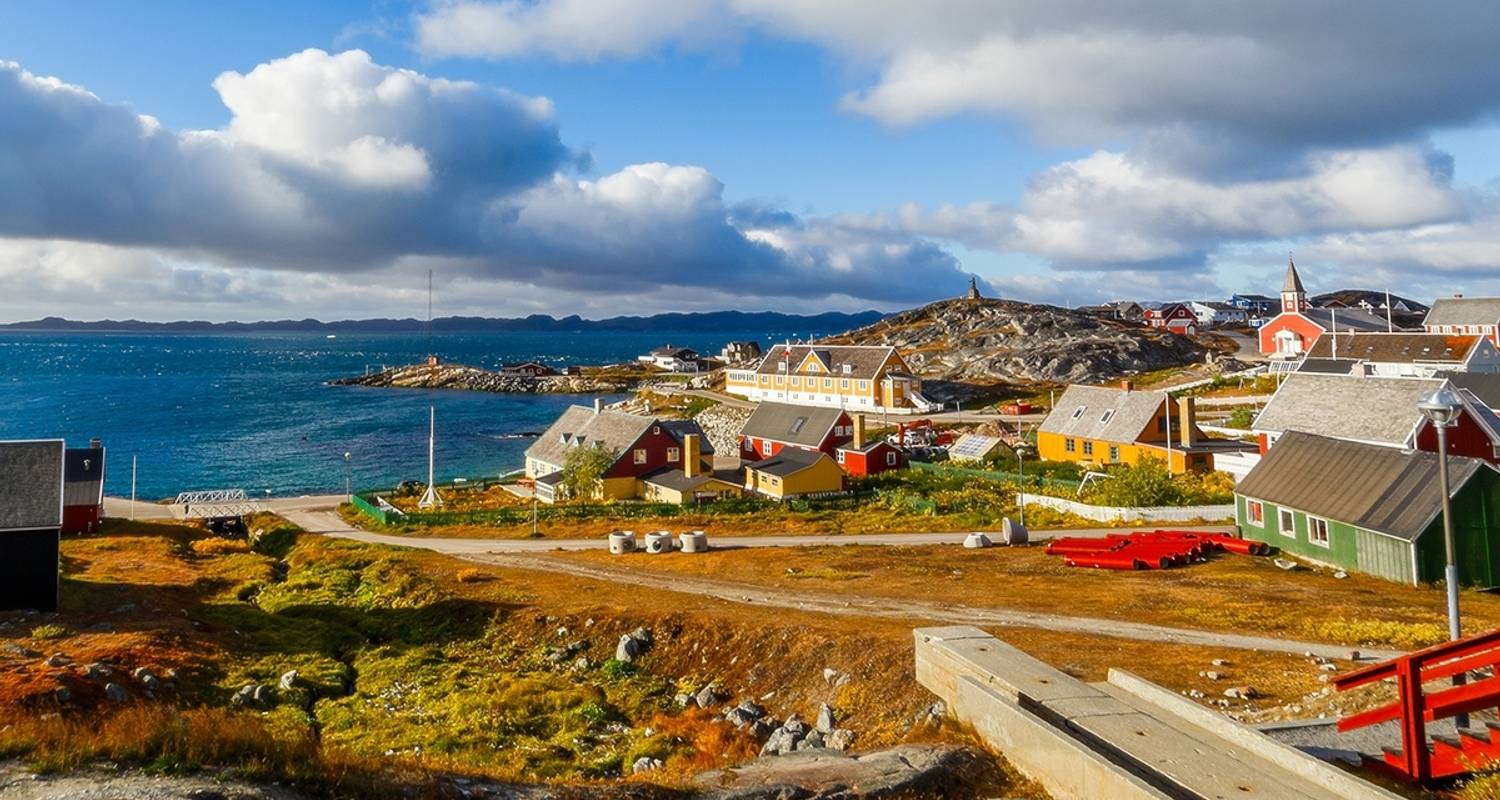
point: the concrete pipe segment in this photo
(694, 541)
(622, 542)
(974, 541)
(659, 542)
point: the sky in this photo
(213, 160)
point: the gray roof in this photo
(677, 480)
(581, 426)
(1328, 366)
(1081, 411)
(682, 427)
(1346, 319)
(863, 360)
(805, 426)
(83, 476)
(1484, 385)
(1365, 409)
(787, 462)
(1382, 489)
(1463, 311)
(31, 484)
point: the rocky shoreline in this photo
(476, 379)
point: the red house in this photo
(863, 457)
(641, 445)
(83, 488)
(1174, 317)
(1292, 333)
(777, 425)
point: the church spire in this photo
(1293, 296)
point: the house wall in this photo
(81, 519)
(809, 384)
(1307, 332)
(1342, 549)
(1464, 439)
(1476, 536)
(872, 462)
(29, 570)
(824, 476)
(656, 443)
(1054, 447)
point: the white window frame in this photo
(1287, 521)
(765, 448)
(640, 455)
(1313, 523)
(841, 456)
(1078, 412)
(1255, 512)
(890, 459)
(673, 455)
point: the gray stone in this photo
(13, 649)
(708, 696)
(95, 671)
(643, 635)
(825, 720)
(262, 694)
(1286, 564)
(151, 682)
(795, 726)
(63, 694)
(288, 679)
(141, 674)
(1220, 662)
(58, 660)
(813, 739)
(761, 728)
(685, 700)
(116, 693)
(645, 764)
(1241, 693)
(628, 649)
(1211, 675)
(839, 739)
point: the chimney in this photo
(95, 443)
(1127, 385)
(692, 455)
(1187, 420)
(859, 432)
(598, 404)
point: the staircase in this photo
(1467, 752)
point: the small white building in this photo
(1211, 314)
(673, 359)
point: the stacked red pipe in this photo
(1148, 549)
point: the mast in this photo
(430, 497)
(1390, 325)
(429, 312)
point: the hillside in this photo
(991, 341)
(1352, 298)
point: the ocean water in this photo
(253, 411)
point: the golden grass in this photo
(219, 547)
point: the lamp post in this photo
(1441, 408)
(348, 476)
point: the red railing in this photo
(1415, 707)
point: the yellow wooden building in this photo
(853, 377)
(1101, 425)
(794, 472)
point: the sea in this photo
(254, 411)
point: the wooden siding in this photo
(1383, 556)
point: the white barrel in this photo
(974, 541)
(659, 542)
(694, 541)
(622, 542)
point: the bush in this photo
(1242, 418)
(1147, 483)
(615, 669)
(219, 547)
(473, 575)
(48, 632)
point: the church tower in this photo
(1293, 296)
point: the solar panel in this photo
(972, 446)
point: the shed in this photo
(1372, 508)
(83, 489)
(31, 515)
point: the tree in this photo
(1147, 483)
(584, 468)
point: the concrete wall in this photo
(1122, 514)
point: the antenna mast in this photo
(429, 312)
(430, 497)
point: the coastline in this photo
(477, 379)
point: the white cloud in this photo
(567, 29)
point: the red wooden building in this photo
(1174, 317)
(777, 425)
(1292, 333)
(83, 488)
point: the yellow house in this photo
(853, 377)
(792, 473)
(692, 483)
(1100, 425)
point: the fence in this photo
(369, 509)
(516, 515)
(1128, 514)
(994, 475)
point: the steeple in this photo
(973, 288)
(1293, 296)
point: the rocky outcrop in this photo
(1003, 341)
(905, 771)
(475, 379)
(721, 423)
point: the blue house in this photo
(1258, 306)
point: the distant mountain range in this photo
(707, 321)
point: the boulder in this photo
(288, 679)
(63, 694)
(824, 773)
(20, 651)
(628, 649)
(95, 671)
(57, 660)
(824, 723)
(708, 696)
(115, 693)
(839, 739)
(645, 764)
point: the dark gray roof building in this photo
(1103, 413)
(787, 462)
(1463, 311)
(1374, 410)
(83, 476)
(1383, 489)
(803, 426)
(31, 485)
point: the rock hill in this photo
(988, 341)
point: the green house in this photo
(1373, 509)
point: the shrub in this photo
(1241, 417)
(615, 669)
(1147, 483)
(473, 575)
(219, 547)
(48, 631)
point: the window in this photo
(1088, 448)
(1114, 454)
(1078, 412)
(1284, 517)
(863, 385)
(796, 381)
(798, 423)
(848, 369)
(1255, 513)
(640, 456)
(1161, 424)
(1317, 531)
(890, 459)
(781, 366)
(750, 445)
(828, 383)
(1108, 412)
(1069, 445)
(844, 383)
(840, 454)
(673, 454)
(656, 430)
(765, 448)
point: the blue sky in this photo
(844, 155)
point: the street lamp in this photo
(348, 476)
(1441, 408)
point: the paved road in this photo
(531, 554)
